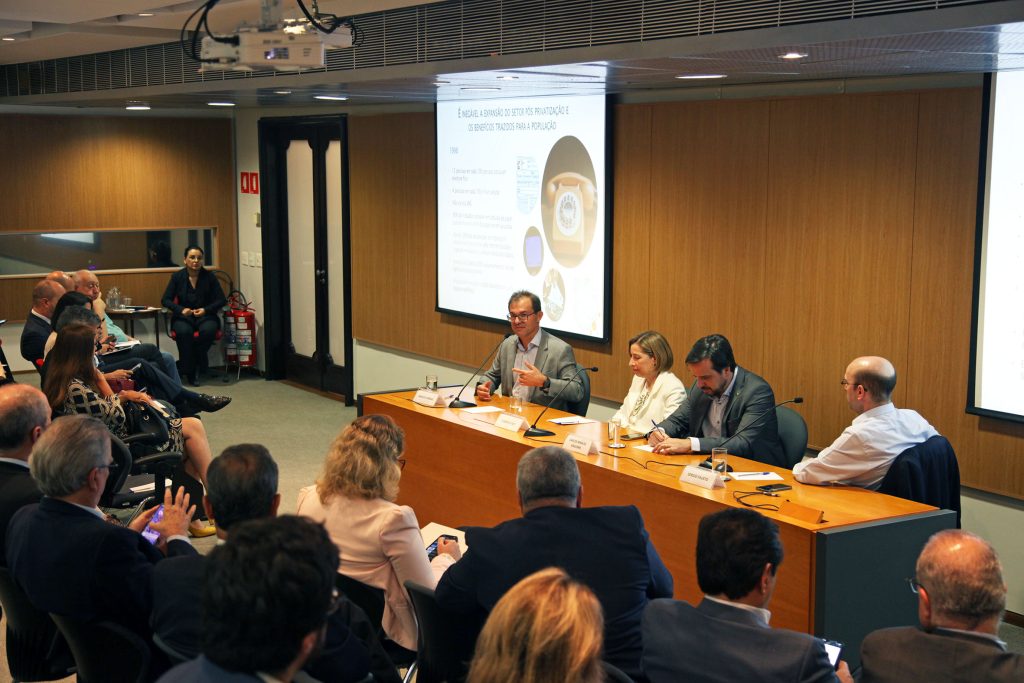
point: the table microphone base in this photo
(533, 431)
(461, 404)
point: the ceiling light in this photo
(137, 106)
(221, 104)
(146, 14)
(441, 82)
(7, 39)
(336, 98)
(508, 78)
(793, 55)
(698, 77)
(282, 92)
(480, 89)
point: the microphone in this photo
(798, 399)
(533, 430)
(458, 403)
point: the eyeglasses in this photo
(401, 463)
(914, 585)
(104, 467)
(847, 383)
(512, 317)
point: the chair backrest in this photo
(580, 407)
(105, 652)
(367, 598)
(792, 434)
(446, 639)
(926, 473)
(36, 650)
(118, 472)
(613, 674)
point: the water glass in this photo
(720, 462)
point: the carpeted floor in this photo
(297, 426)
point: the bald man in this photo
(961, 597)
(62, 279)
(864, 451)
(24, 416)
(37, 328)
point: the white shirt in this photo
(524, 356)
(762, 614)
(862, 454)
(665, 396)
(712, 425)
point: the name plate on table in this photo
(574, 443)
(430, 399)
(698, 476)
(512, 423)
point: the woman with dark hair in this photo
(194, 297)
(73, 384)
(68, 299)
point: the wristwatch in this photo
(547, 384)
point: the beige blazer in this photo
(666, 395)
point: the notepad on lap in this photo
(431, 531)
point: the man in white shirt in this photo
(862, 454)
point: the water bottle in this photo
(114, 298)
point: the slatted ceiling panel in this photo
(521, 27)
(336, 60)
(443, 32)
(732, 15)
(669, 19)
(173, 71)
(799, 11)
(402, 37)
(615, 22)
(565, 24)
(74, 74)
(371, 53)
(480, 28)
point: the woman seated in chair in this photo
(547, 629)
(379, 541)
(655, 392)
(73, 384)
(194, 297)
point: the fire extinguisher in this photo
(240, 327)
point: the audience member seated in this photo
(24, 416)
(39, 321)
(266, 600)
(243, 486)
(380, 541)
(862, 454)
(74, 385)
(606, 548)
(961, 597)
(546, 629)
(87, 283)
(726, 406)
(655, 392)
(726, 637)
(194, 297)
(64, 554)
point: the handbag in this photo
(143, 419)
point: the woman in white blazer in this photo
(655, 392)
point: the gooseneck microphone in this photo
(534, 430)
(458, 403)
(757, 419)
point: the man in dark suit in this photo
(241, 485)
(45, 296)
(533, 365)
(606, 548)
(726, 637)
(64, 554)
(733, 408)
(266, 600)
(961, 597)
(24, 416)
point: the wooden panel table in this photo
(461, 471)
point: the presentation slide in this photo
(999, 330)
(521, 204)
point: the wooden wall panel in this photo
(840, 231)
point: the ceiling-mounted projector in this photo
(289, 47)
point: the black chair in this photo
(105, 652)
(445, 640)
(36, 651)
(926, 473)
(792, 434)
(580, 407)
(613, 674)
(371, 600)
(160, 465)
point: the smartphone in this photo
(432, 548)
(149, 533)
(834, 649)
(773, 488)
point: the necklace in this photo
(640, 401)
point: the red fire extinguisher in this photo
(240, 329)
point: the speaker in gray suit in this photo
(726, 637)
(533, 365)
(961, 596)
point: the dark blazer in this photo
(928, 473)
(71, 562)
(910, 654)
(554, 358)
(715, 643)
(207, 294)
(202, 670)
(606, 548)
(33, 338)
(17, 489)
(750, 413)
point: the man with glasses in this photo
(532, 364)
(63, 552)
(961, 597)
(862, 454)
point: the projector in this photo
(286, 48)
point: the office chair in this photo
(613, 674)
(926, 473)
(105, 652)
(371, 600)
(36, 650)
(445, 640)
(580, 407)
(792, 434)
(135, 455)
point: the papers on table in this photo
(756, 476)
(431, 531)
(482, 409)
(645, 447)
(122, 346)
(150, 487)
(571, 420)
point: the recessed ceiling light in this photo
(221, 104)
(137, 106)
(480, 89)
(146, 14)
(282, 92)
(793, 55)
(441, 82)
(7, 39)
(508, 78)
(336, 98)
(698, 77)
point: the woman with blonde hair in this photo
(379, 541)
(655, 392)
(547, 629)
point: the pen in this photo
(752, 474)
(656, 427)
